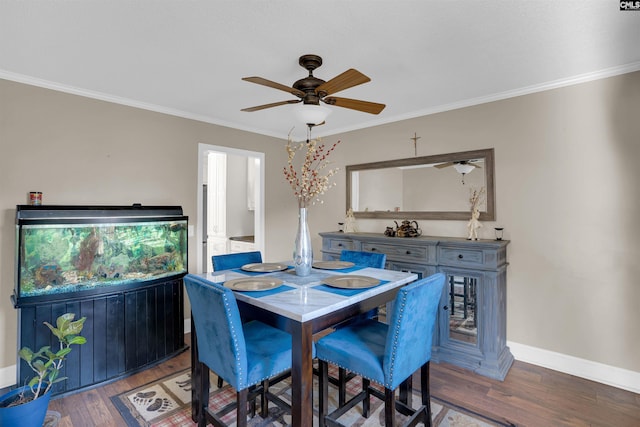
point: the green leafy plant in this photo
(46, 363)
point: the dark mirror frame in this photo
(488, 215)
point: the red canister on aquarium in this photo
(35, 198)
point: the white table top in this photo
(303, 302)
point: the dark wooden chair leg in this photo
(195, 376)
(366, 403)
(389, 408)
(241, 410)
(342, 386)
(405, 391)
(426, 391)
(264, 402)
(323, 392)
(201, 385)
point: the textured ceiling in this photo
(187, 57)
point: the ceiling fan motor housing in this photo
(309, 84)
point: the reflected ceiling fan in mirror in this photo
(463, 167)
(312, 90)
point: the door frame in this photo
(259, 221)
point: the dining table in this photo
(304, 306)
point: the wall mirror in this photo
(430, 187)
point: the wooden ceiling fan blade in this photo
(274, 85)
(443, 165)
(355, 104)
(274, 104)
(349, 78)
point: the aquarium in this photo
(72, 249)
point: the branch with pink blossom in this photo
(309, 183)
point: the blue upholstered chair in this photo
(230, 261)
(237, 260)
(386, 354)
(243, 354)
(370, 259)
(361, 258)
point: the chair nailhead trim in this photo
(396, 337)
(234, 336)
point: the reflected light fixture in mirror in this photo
(311, 114)
(463, 168)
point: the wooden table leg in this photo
(302, 375)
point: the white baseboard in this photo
(594, 371)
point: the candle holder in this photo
(35, 198)
(499, 232)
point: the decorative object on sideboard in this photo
(350, 222)
(475, 198)
(308, 185)
(390, 232)
(407, 229)
(499, 232)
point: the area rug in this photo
(166, 403)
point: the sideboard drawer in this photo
(461, 257)
(398, 251)
(340, 244)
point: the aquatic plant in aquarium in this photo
(69, 257)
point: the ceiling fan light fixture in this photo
(311, 114)
(463, 168)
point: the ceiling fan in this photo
(312, 90)
(467, 165)
(463, 167)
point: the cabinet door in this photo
(460, 322)
(461, 298)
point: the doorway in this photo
(230, 214)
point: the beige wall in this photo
(566, 182)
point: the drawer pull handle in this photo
(408, 252)
(339, 245)
(373, 249)
(460, 256)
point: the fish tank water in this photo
(71, 249)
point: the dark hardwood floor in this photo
(529, 396)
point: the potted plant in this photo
(27, 405)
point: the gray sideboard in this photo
(471, 329)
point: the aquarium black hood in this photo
(26, 212)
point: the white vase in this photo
(303, 252)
